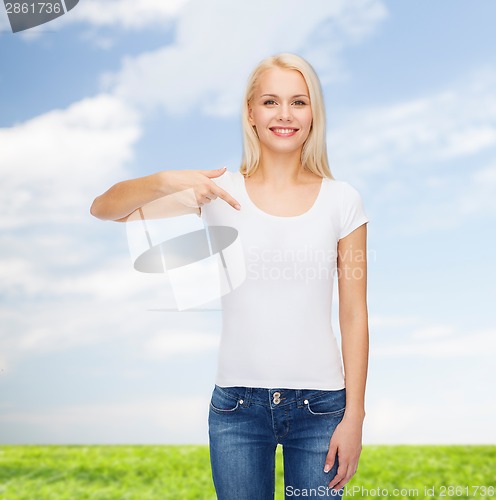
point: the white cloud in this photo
(127, 14)
(4, 366)
(479, 196)
(171, 344)
(430, 129)
(376, 321)
(17, 274)
(52, 164)
(218, 42)
(432, 332)
(114, 280)
(446, 201)
(439, 342)
(78, 307)
(36, 328)
(432, 420)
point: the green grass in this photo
(183, 472)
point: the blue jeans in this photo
(245, 426)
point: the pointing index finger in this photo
(228, 198)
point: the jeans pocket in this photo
(329, 403)
(225, 400)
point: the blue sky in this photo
(117, 89)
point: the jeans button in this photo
(276, 398)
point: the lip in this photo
(284, 131)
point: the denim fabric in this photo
(245, 426)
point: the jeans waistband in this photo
(274, 397)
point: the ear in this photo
(250, 115)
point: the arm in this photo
(353, 320)
(164, 194)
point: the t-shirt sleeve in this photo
(353, 213)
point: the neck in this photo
(279, 169)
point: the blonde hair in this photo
(314, 151)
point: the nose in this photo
(285, 113)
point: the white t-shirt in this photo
(276, 326)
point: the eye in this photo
(270, 102)
(300, 103)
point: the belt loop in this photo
(247, 398)
(299, 398)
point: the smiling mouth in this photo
(284, 132)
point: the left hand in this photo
(346, 441)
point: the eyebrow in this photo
(275, 95)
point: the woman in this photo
(280, 378)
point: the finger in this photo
(228, 198)
(209, 196)
(350, 472)
(214, 173)
(343, 482)
(206, 195)
(330, 458)
(340, 478)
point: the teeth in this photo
(284, 130)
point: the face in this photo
(280, 111)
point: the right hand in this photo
(204, 189)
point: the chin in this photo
(287, 150)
